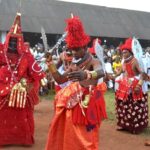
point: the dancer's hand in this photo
(137, 89)
(77, 76)
(48, 57)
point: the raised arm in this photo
(53, 69)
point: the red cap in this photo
(127, 45)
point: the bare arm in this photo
(97, 65)
(97, 72)
(88, 76)
(52, 68)
(136, 67)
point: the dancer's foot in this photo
(120, 129)
(147, 142)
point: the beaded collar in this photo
(13, 78)
(82, 62)
(127, 59)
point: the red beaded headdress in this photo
(76, 37)
(127, 45)
(15, 32)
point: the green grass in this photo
(49, 96)
(110, 105)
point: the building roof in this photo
(97, 20)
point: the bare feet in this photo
(120, 128)
(147, 143)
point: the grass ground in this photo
(110, 105)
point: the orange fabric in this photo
(69, 129)
(64, 135)
(102, 87)
(65, 95)
(72, 95)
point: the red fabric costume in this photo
(73, 126)
(131, 107)
(16, 121)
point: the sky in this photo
(141, 5)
